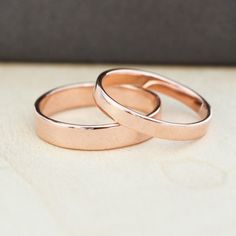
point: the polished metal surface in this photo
(91, 137)
(149, 125)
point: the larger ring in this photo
(90, 137)
(149, 125)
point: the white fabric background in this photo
(157, 188)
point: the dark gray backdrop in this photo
(134, 31)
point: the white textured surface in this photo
(156, 188)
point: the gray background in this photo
(134, 31)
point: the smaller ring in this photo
(91, 137)
(149, 125)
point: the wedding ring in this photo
(152, 126)
(91, 137)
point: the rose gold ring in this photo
(91, 137)
(149, 125)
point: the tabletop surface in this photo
(156, 188)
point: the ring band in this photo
(91, 137)
(149, 125)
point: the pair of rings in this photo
(128, 97)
